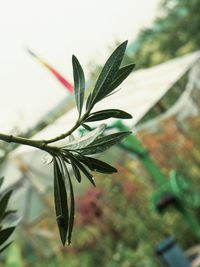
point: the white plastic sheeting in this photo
(186, 105)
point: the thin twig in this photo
(42, 144)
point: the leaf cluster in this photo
(109, 79)
(77, 153)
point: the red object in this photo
(64, 82)
(69, 86)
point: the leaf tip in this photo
(63, 242)
(124, 43)
(74, 58)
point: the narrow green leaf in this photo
(60, 198)
(72, 204)
(79, 83)
(72, 211)
(82, 169)
(76, 171)
(108, 113)
(87, 127)
(87, 173)
(121, 75)
(88, 101)
(112, 93)
(104, 143)
(99, 166)
(108, 74)
(115, 138)
(5, 234)
(80, 157)
(4, 202)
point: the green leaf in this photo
(3, 203)
(72, 211)
(108, 113)
(121, 75)
(104, 143)
(107, 74)
(98, 165)
(86, 172)
(87, 127)
(76, 171)
(88, 101)
(60, 198)
(82, 168)
(72, 204)
(5, 234)
(79, 157)
(112, 93)
(86, 139)
(79, 83)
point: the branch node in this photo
(43, 145)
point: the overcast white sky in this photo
(56, 29)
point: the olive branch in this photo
(77, 153)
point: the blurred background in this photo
(155, 194)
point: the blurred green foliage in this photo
(174, 33)
(120, 228)
(13, 257)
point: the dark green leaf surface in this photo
(72, 211)
(99, 166)
(4, 202)
(72, 201)
(121, 75)
(107, 74)
(79, 83)
(83, 169)
(108, 113)
(104, 143)
(60, 197)
(87, 127)
(87, 173)
(84, 159)
(88, 101)
(76, 171)
(5, 234)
